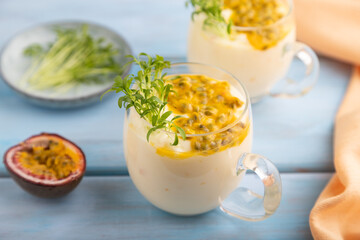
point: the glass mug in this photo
(182, 182)
(258, 56)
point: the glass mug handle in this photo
(244, 203)
(295, 88)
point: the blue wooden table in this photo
(296, 134)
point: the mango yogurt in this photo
(191, 177)
(258, 49)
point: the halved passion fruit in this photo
(46, 165)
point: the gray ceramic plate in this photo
(13, 65)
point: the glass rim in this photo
(278, 22)
(238, 119)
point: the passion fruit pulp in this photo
(46, 165)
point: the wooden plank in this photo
(297, 134)
(111, 208)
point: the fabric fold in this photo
(332, 28)
(336, 214)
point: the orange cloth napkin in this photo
(336, 214)
(332, 27)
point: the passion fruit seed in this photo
(259, 13)
(216, 112)
(51, 160)
(253, 13)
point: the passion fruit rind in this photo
(45, 191)
(35, 184)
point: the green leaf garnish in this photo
(176, 141)
(149, 94)
(74, 58)
(165, 116)
(181, 131)
(214, 21)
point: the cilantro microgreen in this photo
(75, 57)
(214, 21)
(149, 94)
